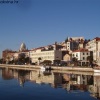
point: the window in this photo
(83, 58)
(76, 55)
(83, 53)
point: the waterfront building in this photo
(56, 51)
(94, 46)
(9, 55)
(42, 77)
(95, 88)
(45, 55)
(59, 51)
(81, 56)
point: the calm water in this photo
(38, 85)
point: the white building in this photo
(94, 46)
(98, 54)
(81, 55)
(45, 55)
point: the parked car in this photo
(33, 63)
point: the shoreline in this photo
(32, 67)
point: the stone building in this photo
(94, 46)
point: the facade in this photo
(16, 55)
(73, 43)
(59, 51)
(98, 55)
(96, 86)
(45, 55)
(67, 57)
(9, 55)
(94, 46)
(81, 55)
(25, 52)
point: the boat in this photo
(44, 68)
(97, 70)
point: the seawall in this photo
(32, 67)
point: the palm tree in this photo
(39, 59)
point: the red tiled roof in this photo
(81, 50)
(37, 48)
(97, 39)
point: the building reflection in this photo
(95, 89)
(7, 74)
(69, 81)
(23, 76)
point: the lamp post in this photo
(29, 57)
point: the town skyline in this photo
(39, 23)
(60, 42)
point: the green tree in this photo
(39, 59)
(47, 62)
(56, 62)
(66, 40)
(90, 59)
(1, 61)
(27, 60)
(75, 61)
(21, 58)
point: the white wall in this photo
(46, 55)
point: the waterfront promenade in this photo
(34, 67)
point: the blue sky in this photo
(42, 22)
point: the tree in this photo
(56, 62)
(66, 40)
(27, 60)
(21, 58)
(75, 61)
(90, 59)
(1, 61)
(39, 59)
(47, 62)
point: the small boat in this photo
(97, 70)
(44, 68)
(48, 67)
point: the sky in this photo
(42, 22)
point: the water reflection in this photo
(71, 82)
